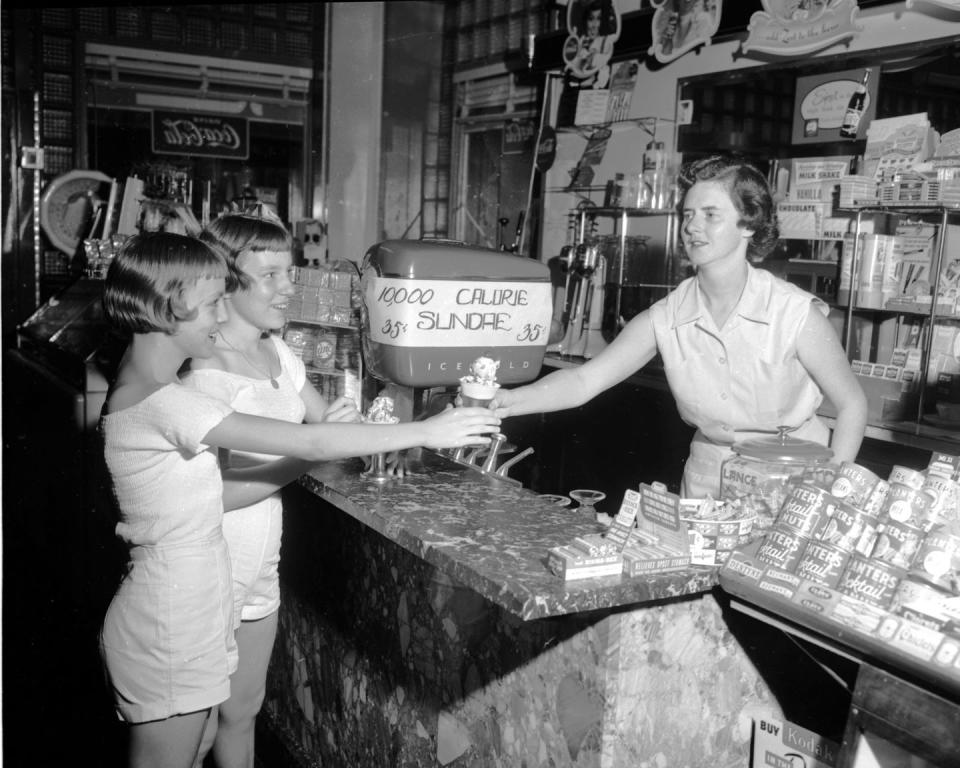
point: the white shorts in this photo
(253, 538)
(167, 640)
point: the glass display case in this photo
(898, 292)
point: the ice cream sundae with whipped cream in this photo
(381, 411)
(480, 386)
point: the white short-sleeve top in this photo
(257, 396)
(167, 483)
(745, 377)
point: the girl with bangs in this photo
(255, 371)
(168, 635)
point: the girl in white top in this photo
(256, 373)
(167, 638)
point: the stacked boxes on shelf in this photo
(323, 296)
(323, 329)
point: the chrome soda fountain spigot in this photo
(496, 441)
(503, 468)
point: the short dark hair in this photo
(234, 234)
(608, 17)
(749, 191)
(143, 291)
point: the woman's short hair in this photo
(234, 234)
(749, 192)
(145, 283)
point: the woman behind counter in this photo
(744, 352)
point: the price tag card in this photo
(622, 526)
(660, 515)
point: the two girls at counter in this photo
(168, 639)
(744, 352)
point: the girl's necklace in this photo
(273, 382)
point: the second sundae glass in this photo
(380, 412)
(587, 498)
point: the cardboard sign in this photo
(780, 742)
(821, 101)
(451, 313)
(518, 136)
(789, 29)
(621, 528)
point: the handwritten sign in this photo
(451, 313)
(182, 133)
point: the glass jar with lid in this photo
(757, 473)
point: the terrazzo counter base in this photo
(420, 627)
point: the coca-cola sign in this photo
(184, 133)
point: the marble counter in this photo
(491, 536)
(420, 627)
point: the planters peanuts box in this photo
(431, 307)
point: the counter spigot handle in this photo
(497, 439)
(502, 471)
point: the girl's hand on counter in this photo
(456, 427)
(342, 410)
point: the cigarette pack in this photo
(944, 464)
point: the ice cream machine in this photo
(432, 308)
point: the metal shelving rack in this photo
(944, 212)
(622, 216)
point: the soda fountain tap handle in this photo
(496, 440)
(502, 470)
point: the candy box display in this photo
(758, 472)
(715, 528)
(431, 307)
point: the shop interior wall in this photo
(655, 95)
(355, 56)
(413, 68)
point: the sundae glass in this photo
(379, 412)
(587, 498)
(480, 386)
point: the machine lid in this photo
(450, 260)
(782, 447)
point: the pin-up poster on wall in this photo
(593, 26)
(679, 26)
(821, 101)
